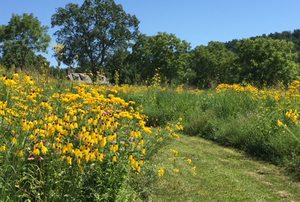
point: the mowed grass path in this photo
(223, 174)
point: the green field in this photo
(79, 142)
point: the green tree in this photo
(119, 62)
(93, 31)
(285, 35)
(21, 38)
(163, 51)
(264, 61)
(214, 63)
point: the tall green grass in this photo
(230, 118)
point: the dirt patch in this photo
(283, 194)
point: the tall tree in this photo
(285, 35)
(163, 51)
(93, 30)
(23, 36)
(266, 60)
(117, 65)
(214, 63)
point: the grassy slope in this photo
(223, 174)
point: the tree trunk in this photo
(94, 72)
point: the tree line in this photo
(99, 36)
(260, 61)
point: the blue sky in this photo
(196, 21)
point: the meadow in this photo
(78, 142)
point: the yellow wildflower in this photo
(142, 142)
(100, 156)
(114, 148)
(279, 123)
(87, 157)
(103, 142)
(19, 153)
(44, 149)
(36, 152)
(147, 130)
(3, 148)
(194, 170)
(13, 140)
(69, 159)
(161, 172)
(16, 76)
(175, 152)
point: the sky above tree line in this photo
(196, 21)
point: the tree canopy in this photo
(213, 63)
(265, 61)
(21, 38)
(93, 31)
(163, 51)
(261, 61)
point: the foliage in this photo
(163, 51)
(213, 63)
(118, 63)
(21, 38)
(93, 31)
(288, 36)
(88, 142)
(73, 142)
(266, 61)
(293, 164)
(242, 116)
(261, 61)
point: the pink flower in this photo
(30, 158)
